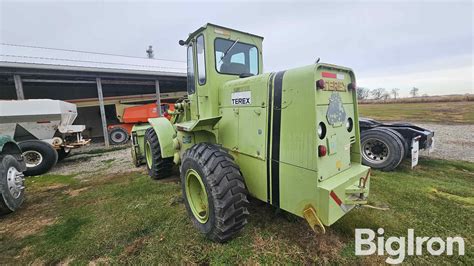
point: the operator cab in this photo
(215, 56)
(218, 52)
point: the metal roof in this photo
(89, 69)
(37, 58)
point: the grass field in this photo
(433, 112)
(133, 219)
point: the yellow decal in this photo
(334, 85)
(222, 32)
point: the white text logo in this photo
(399, 247)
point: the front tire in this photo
(381, 149)
(214, 192)
(12, 189)
(158, 167)
(39, 156)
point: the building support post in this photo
(102, 111)
(19, 87)
(158, 98)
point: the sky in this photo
(389, 44)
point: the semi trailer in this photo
(43, 129)
(289, 138)
(385, 145)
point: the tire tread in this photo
(161, 167)
(395, 140)
(227, 187)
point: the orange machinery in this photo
(129, 116)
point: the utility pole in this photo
(102, 111)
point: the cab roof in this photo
(196, 32)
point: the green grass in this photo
(51, 180)
(433, 112)
(133, 219)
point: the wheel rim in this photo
(148, 155)
(32, 158)
(375, 151)
(118, 137)
(197, 196)
(15, 182)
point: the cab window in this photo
(201, 62)
(235, 58)
(191, 86)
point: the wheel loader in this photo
(288, 138)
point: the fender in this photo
(9, 146)
(165, 132)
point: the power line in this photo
(87, 61)
(87, 52)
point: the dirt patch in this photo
(328, 245)
(37, 212)
(65, 262)
(26, 251)
(94, 160)
(135, 247)
(289, 241)
(52, 187)
(20, 228)
(76, 192)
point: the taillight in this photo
(322, 150)
(320, 84)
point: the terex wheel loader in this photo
(289, 138)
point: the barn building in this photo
(94, 84)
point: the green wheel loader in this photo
(289, 138)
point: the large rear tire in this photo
(39, 156)
(406, 145)
(214, 192)
(158, 167)
(118, 136)
(12, 189)
(381, 149)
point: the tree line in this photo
(384, 94)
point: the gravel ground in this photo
(452, 142)
(86, 162)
